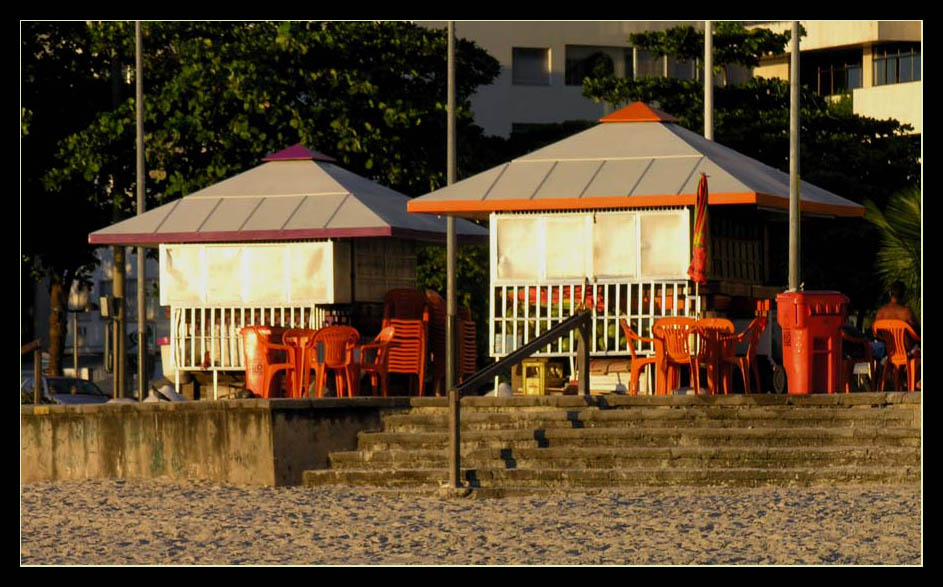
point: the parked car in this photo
(62, 390)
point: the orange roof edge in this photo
(638, 112)
(594, 202)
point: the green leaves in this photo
(732, 44)
(899, 226)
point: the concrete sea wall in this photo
(252, 442)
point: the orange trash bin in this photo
(812, 345)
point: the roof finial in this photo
(298, 153)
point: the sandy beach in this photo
(173, 523)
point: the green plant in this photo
(898, 258)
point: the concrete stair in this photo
(528, 444)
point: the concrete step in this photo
(523, 445)
(522, 404)
(643, 458)
(711, 416)
(527, 480)
(644, 436)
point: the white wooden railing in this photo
(520, 312)
(207, 339)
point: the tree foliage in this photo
(898, 258)
(732, 43)
(67, 79)
(218, 97)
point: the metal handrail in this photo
(579, 321)
(582, 317)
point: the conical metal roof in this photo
(295, 194)
(636, 158)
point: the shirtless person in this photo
(895, 310)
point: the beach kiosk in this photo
(295, 242)
(604, 218)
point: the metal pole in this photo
(454, 399)
(117, 284)
(708, 81)
(37, 374)
(708, 113)
(142, 307)
(794, 211)
(75, 344)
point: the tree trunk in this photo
(57, 323)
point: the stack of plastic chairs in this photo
(407, 311)
(437, 318)
(465, 337)
(468, 346)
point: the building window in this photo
(682, 69)
(896, 64)
(648, 65)
(584, 61)
(838, 79)
(530, 67)
(833, 72)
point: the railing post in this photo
(582, 356)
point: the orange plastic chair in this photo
(336, 345)
(639, 362)
(895, 334)
(849, 363)
(747, 362)
(710, 350)
(675, 334)
(264, 358)
(375, 359)
(302, 342)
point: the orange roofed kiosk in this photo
(604, 218)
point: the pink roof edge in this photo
(297, 153)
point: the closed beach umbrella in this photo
(697, 271)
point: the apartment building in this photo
(876, 62)
(543, 64)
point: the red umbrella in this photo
(697, 271)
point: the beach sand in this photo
(197, 523)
